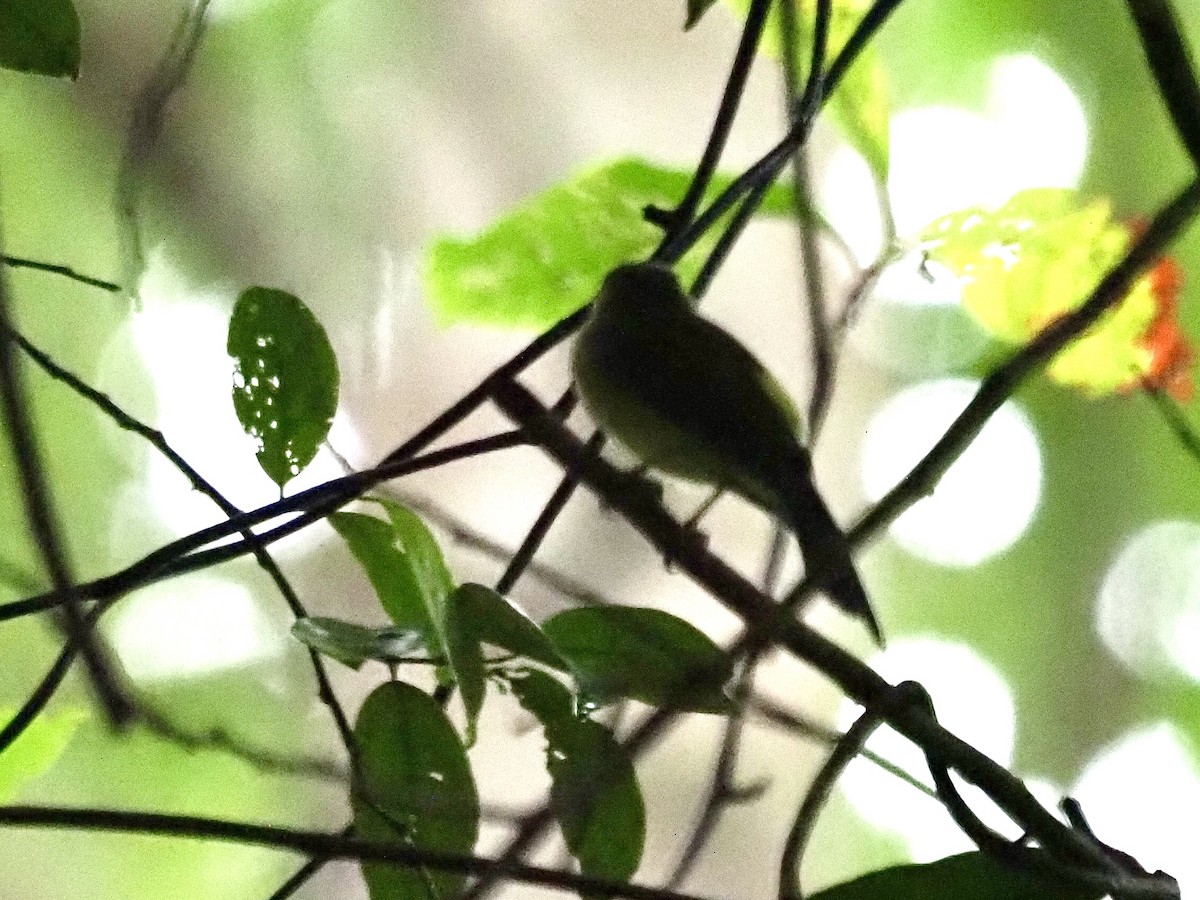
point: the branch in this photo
(1175, 420)
(462, 533)
(857, 680)
(735, 86)
(158, 440)
(795, 103)
(39, 512)
(767, 168)
(145, 130)
(18, 262)
(848, 746)
(1170, 63)
(723, 791)
(320, 845)
(1004, 380)
(185, 555)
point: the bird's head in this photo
(640, 288)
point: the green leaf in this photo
(546, 259)
(374, 544)
(352, 644)
(647, 654)
(405, 565)
(696, 10)
(498, 621)
(973, 875)
(860, 105)
(415, 771)
(40, 36)
(594, 790)
(37, 749)
(455, 634)
(285, 380)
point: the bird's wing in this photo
(705, 383)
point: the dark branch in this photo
(39, 512)
(1171, 65)
(157, 440)
(18, 262)
(319, 845)
(848, 746)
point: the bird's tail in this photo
(825, 549)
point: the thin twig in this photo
(462, 533)
(158, 440)
(847, 747)
(145, 130)
(810, 255)
(18, 262)
(735, 86)
(39, 513)
(1170, 63)
(320, 845)
(723, 792)
(545, 520)
(773, 713)
(1175, 420)
(184, 555)
(41, 695)
(219, 740)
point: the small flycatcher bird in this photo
(688, 399)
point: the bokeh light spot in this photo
(915, 326)
(192, 627)
(1032, 133)
(987, 498)
(1148, 607)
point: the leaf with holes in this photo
(40, 37)
(594, 790)
(1036, 259)
(646, 654)
(416, 787)
(285, 379)
(973, 875)
(545, 259)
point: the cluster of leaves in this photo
(1037, 258)
(1022, 266)
(415, 782)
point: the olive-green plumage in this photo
(690, 400)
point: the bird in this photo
(690, 400)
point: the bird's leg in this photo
(693, 523)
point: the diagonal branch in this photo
(36, 496)
(855, 678)
(320, 845)
(158, 440)
(1171, 65)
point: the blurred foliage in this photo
(1110, 466)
